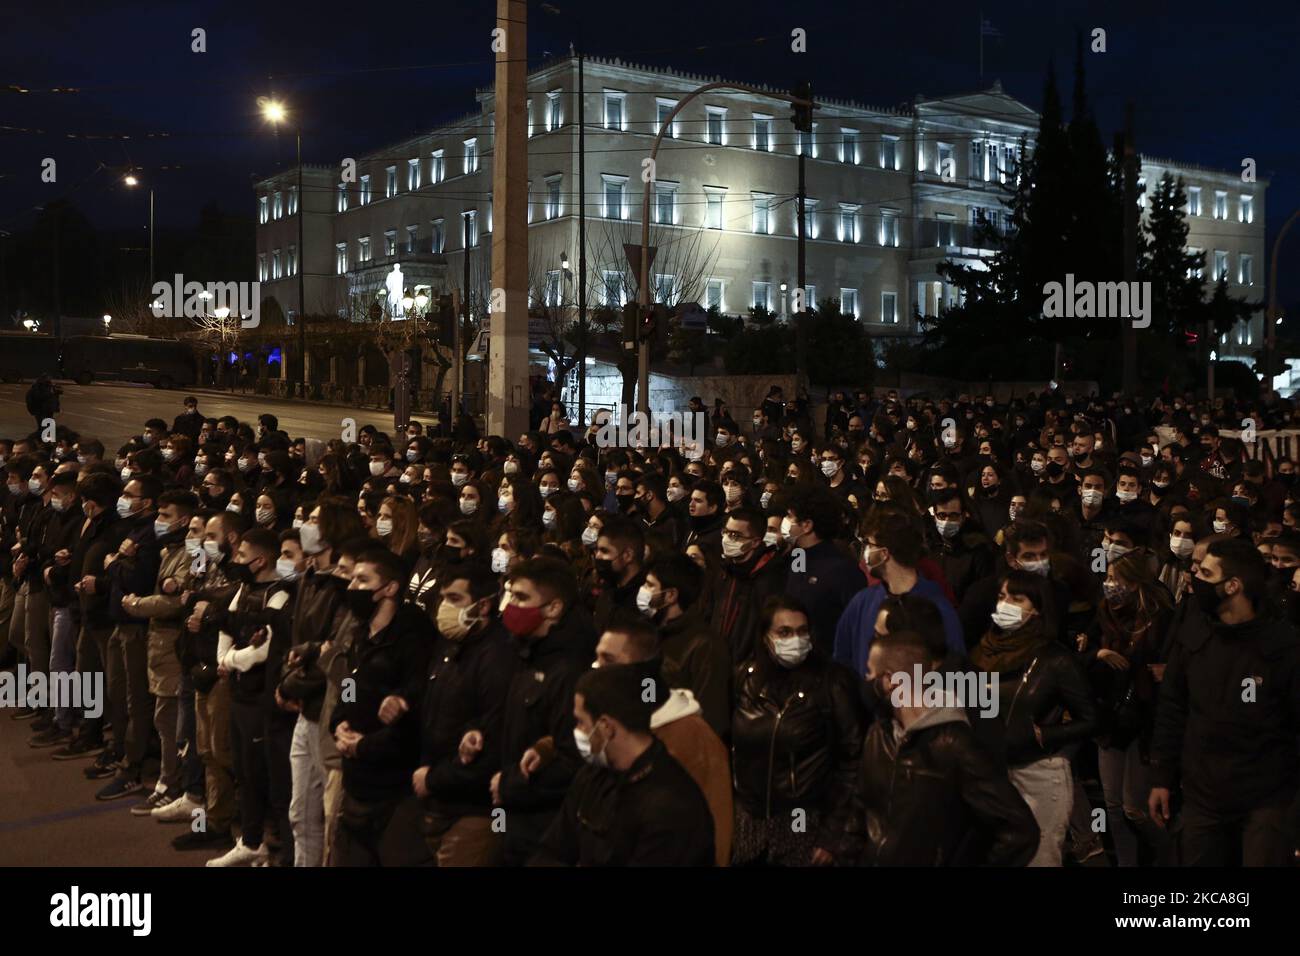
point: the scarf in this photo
(1004, 651)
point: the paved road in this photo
(113, 413)
(49, 815)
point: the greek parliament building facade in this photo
(892, 193)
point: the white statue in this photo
(394, 284)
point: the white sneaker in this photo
(180, 810)
(240, 855)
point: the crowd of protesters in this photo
(538, 649)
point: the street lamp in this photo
(107, 321)
(28, 324)
(275, 113)
(130, 179)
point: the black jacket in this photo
(613, 597)
(652, 814)
(539, 704)
(966, 558)
(936, 797)
(698, 660)
(392, 662)
(1040, 693)
(96, 543)
(62, 530)
(796, 738)
(738, 592)
(466, 690)
(1229, 714)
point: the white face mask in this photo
(193, 546)
(458, 478)
(947, 528)
(589, 536)
(791, 651)
(264, 515)
(298, 523)
(583, 742)
(732, 549)
(510, 467)
(1037, 466)
(1181, 547)
(787, 530)
(829, 468)
(232, 508)
(503, 503)
(468, 506)
(764, 498)
(1126, 496)
(405, 479)
(212, 549)
(548, 518)
(1092, 496)
(1220, 527)
(1013, 511)
(1040, 567)
(574, 485)
(772, 539)
(285, 570)
(377, 468)
(126, 473)
(500, 560)
(384, 527)
(733, 493)
(645, 601)
(1114, 552)
(546, 491)
(676, 493)
(1008, 616)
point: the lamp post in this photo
(132, 180)
(108, 319)
(274, 112)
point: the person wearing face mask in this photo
(618, 561)
(20, 507)
(554, 644)
(131, 570)
(748, 573)
(29, 629)
(927, 783)
(1227, 720)
(632, 804)
(694, 657)
(820, 574)
(469, 676)
(92, 541)
(1093, 510)
(957, 542)
(655, 512)
(1038, 680)
(256, 616)
(796, 738)
(1117, 656)
(892, 551)
(706, 516)
(58, 652)
(162, 607)
(376, 733)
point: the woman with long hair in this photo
(1037, 682)
(1126, 638)
(397, 526)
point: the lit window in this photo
(665, 209)
(666, 289)
(762, 214)
(1246, 209)
(889, 152)
(471, 155)
(848, 225)
(615, 111)
(275, 264)
(363, 249)
(1220, 264)
(614, 195)
(340, 257)
(293, 200)
(261, 266)
(663, 108)
(551, 297)
(412, 238)
(888, 308)
(713, 200)
(612, 291)
(554, 208)
(1193, 200)
(554, 110)
(763, 296)
(262, 209)
(762, 133)
(277, 207)
(390, 182)
(529, 110)
(1246, 270)
(342, 204)
(947, 231)
(471, 228)
(889, 227)
(947, 168)
(1220, 205)
(437, 166)
(292, 266)
(849, 146)
(439, 239)
(809, 217)
(365, 189)
(413, 174)
(713, 295)
(849, 302)
(715, 125)
(390, 242)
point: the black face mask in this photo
(625, 502)
(449, 554)
(1207, 596)
(239, 573)
(361, 602)
(1054, 469)
(605, 569)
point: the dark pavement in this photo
(113, 413)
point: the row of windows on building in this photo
(274, 205)
(1221, 267)
(280, 264)
(1245, 205)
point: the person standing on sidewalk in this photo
(55, 555)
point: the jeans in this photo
(187, 741)
(18, 619)
(307, 807)
(1124, 782)
(166, 714)
(63, 658)
(1048, 788)
(128, 672)
(36, 634)
(1264, 836)
(248, 744)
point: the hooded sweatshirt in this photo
(693, 744)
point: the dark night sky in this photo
(1204, 76)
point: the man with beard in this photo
(750, 572)
(555, 644)
(620, 552)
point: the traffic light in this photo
(630, 320)
(802, 115)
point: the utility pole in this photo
(508, 391)
(302, 255)
(802, 120)
(58, 284)
(582, 235)
(1128, 333)
(457, 365)
(462, 319)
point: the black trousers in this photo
(1264, 836)
(279, 738)
(248, 747)
(361, 829)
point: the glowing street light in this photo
(131, 180)
(273, 111)
(221, 312)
